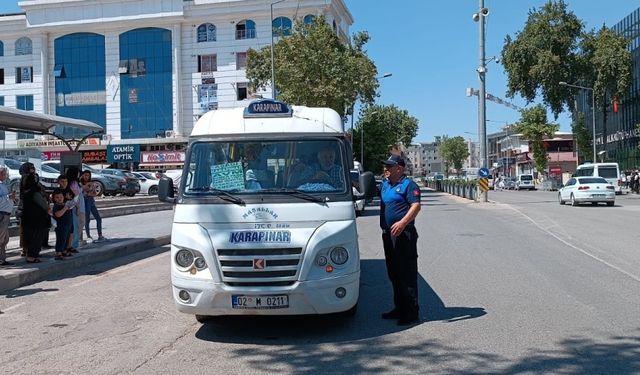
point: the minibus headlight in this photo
(200, 263)
(339, 255)
(184, 258)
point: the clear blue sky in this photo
(431, 48)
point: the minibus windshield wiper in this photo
(297, 193)
(223, 194)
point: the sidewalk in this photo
(125, 235)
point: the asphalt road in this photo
(522, 285)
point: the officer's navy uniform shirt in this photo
(396, 200)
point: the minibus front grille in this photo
(259, 266)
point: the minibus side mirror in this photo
(368, 185)
(165, 190)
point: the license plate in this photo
(260, 302)
(597, 195)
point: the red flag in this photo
(615, 105)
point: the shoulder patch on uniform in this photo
(416, 192)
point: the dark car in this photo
(132, 185)
(105, 184)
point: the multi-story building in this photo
(618, 129)
(144, 70)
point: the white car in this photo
(592, 190)
(525, 181)
(148, 182)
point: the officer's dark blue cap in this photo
(394, 160)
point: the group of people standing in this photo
(68, 208)
(631, 180)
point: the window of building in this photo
(24, 102)
(309, 19)
(2, 100)
(241, 60)
(23, 46)
(245, 29)
(207, 63)
(24, 74)
(2, 77)
(281, 26)
(1, 48)
(58, 71)
(242, 90)
(206, 33)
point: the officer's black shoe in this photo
(393, 314)
(409, 319)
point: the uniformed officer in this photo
(399, 206)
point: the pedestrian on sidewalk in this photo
(399, 206)
(35, 217)
(7, 201)
(62, 212)
(73, 175)
(90, 205)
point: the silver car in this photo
(592, 190)
(148, 182)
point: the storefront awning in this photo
(18, 120)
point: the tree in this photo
(582, 137)
(534, 127)
(607, 67)
(384, 127)
(543, 54)
(453, 152)
(315, 68)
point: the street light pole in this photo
(273, 68)
(482, 103)
(593, 112)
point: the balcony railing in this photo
(245, 34)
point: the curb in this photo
(18, 277)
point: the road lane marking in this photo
(14, 306)
(636, 278)
(117, 270)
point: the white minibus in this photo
(608, 171)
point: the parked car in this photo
(107, 185)
(510, 183)
(148, 182)
(48, 177)
(592, 190)
(13, 167)
(355, 184)
(525, 181)
(132, 183)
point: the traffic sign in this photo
(483, 183)
(483, 172)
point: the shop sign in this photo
(94, 156)
(50, 155)
(81, 98)
(133, 95)
(162, 157)
(26, 143)
(123, 153)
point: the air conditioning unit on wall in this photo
(169, 134)
(106, 137)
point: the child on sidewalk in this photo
(64, 222)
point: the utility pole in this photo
(482, 103)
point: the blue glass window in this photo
(23, 46)
(245, 29)
(24, 102)
(309, 19)
(1, 48)
(2, 100)
(206, 33)
(146, 88)
(281, 26)
(80, 80)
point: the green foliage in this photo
(544, 53)
(384, 127)
(534, 127)
(608, 63)
(583, 138)
(453, 152)
(315, 68)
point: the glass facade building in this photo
(618, 132)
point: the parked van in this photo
(525, 181)
(608, 171)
